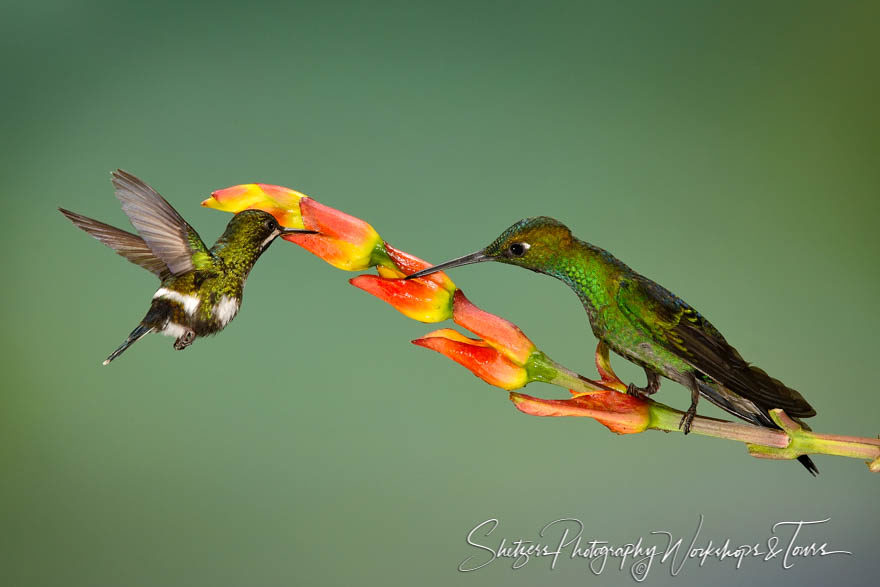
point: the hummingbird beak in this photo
(477, 257)
(285, 230)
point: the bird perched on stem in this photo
(201, 288)
(645, 323)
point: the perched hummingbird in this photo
(644, 323)
(201, 288)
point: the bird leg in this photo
(185, 339)
(690, 414)
(650, 389)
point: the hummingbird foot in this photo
(185, 339)
(685, 423)
(636, 391)
(649, 390)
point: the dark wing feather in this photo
(130, 246)
(167, 234)
(682, 330)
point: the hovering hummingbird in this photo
(644, 323)
(201, 288)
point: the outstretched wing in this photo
(130, 246)
(167, 235)
(683, 331)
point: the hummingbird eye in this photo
(517, 249)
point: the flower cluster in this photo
(344, 241)
(502, 355)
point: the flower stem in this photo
(790, 441)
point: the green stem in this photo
(790, 442)
(543, 368)
(668, 419)
(379, 257)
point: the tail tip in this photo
(809, 465)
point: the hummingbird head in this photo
(257, 227)
(533, 243)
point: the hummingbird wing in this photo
(130, 246)
(166, 233)
(680, 329)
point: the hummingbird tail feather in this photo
(136, 334)
(808, 463)
(746, 410)
(733, 404)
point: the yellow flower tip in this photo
(389, 273)
(281, 202)
(282, 196)
(455, 335)
(422, 301)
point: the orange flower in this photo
(425, 302)
(498, 332)
(619, 412)
(344, 241)
(428, 299)
(281, 202)
(483, 360)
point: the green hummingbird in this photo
(201, 288)
(644, 323)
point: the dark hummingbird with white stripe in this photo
(201, 288)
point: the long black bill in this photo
(477, 257)
(285, 230)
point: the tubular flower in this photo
(498, 332)
(504, 357)
(427, 299)
(482, 359)
(425, 302)
(344, 241)
(620, 413)
(281, 202)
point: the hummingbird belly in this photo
(173, 313)
(656, 359)
(635, 345)
(225, 310)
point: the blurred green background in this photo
(728, 150)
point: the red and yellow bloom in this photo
(619, 412)
(344, 241)
(500, 333)
(503, 357)
(427, 299)
(281, 202)
(481, 358)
